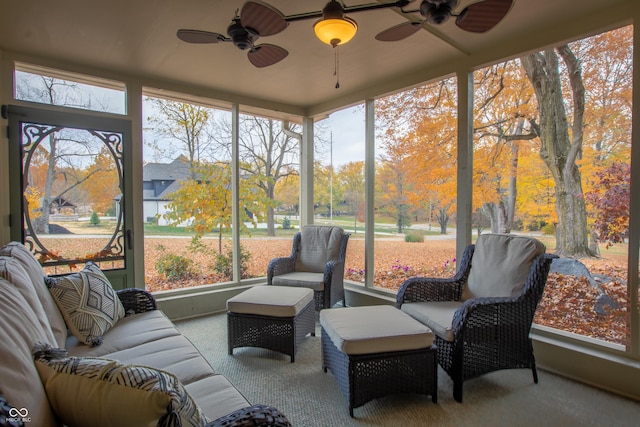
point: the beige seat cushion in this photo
(174, 354)
(374, 329)
(19, 380)
(500, 265)
(216, 396)
(318, 245)
(129, 332)
(33, 268)
(276, 301)
(437, 315)
(12, 270)
(303, 279)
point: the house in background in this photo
(159, 180)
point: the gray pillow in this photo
(500, 265)
(88, 303)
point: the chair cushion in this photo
(103, 392)
(438, 316)
(33, 268)
(88, 302)
(500, 265)
(318, 245)
(19, 380)
(304, 279)
(276, 301)
(12, 270)
(374, 329)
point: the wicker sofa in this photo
(142, 338)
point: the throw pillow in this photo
(99, 392)
(88, 303)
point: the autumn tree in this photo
(327, 189)
(204, 204)
(105, 184)
(351, 177)
(287, 193)
(393, 188)
(420, 125)
(610, 199)
(269, 151)
(180, 129)
(502, 100)
(61, 155)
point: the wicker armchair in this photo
(482, 316)
(316, 262)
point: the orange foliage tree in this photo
(419, 127)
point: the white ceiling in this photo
(138, 38)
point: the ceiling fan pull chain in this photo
(336, 70)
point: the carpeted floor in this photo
(310, 397)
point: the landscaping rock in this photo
(572, 267)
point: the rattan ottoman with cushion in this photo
(273, 317)
(378, 350)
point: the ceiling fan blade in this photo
(199, 36)
(483, 16)
(399, 32)
(262, 18)
(266, 54)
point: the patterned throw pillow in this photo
(97, 392)
(88, 303)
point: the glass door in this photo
(70, 192)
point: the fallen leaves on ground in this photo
(568, 302)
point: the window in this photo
(187, 193)
(559, 169)
(415, 184)
(54, 87)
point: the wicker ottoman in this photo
(273, 317)
(376, 351)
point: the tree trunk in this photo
(271, 229)
(560, 148)
(443, 220)
(497, 216)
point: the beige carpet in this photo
(310, 397)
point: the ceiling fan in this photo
(479, 17)
(258, 19)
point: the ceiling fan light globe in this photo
(335, 31)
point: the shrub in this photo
(286, 223)
(549, 230)
(174, 267)
(223, 263)
(414, 237)
(94, 220)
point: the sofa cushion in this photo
(175, 354)
(103, 392)
(318, 245)
(216, 396)
(130, 332)
(12, 270)
(19, 380)
(500, 265)
(33, 268)
(88, 302)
